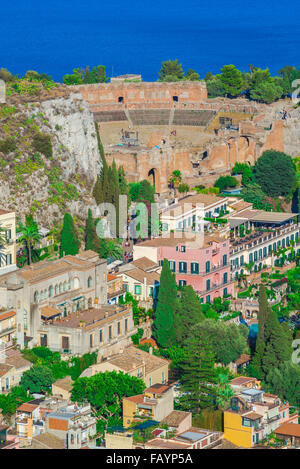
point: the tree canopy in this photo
(105, 391)
(275, 172)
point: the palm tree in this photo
(224, 390)
(29, 236)
(113, 249)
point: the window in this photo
(8, 259)
(163, 377)
(101, 336)
(120, 99)
(125, 286)
(137, 289)
(50, 291)
(36, 297)
(265, 252)
(172, 265)
(91, 340)
(175, 99)
(90, 282)
(208, 299)
(151, 292)
(182, 283)
(126, 325)
(119, 328)
(207, 285)
(225, 259)
(225, 277)
(150, 381)
(65, 343)
(207, 266)
(56, 289)
(242, 260)
(255, 256)
(182, 267)
(251, 257)
(194, 268)
(110, 332)
(225, 293)
(182, 249)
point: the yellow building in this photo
(26, 414)
(155, 403)
(8, 250)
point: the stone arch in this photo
(153, 178)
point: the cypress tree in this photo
(92, 241)
(69, 242)
(198, 373)
(189, 313)
(97, 191)
(167, 304)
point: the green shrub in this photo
(42, 144)
(7, 146)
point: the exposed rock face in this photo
(64, 182)
(73, 127)
(291, 133)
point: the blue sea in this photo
(135, 36)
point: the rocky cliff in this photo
(49, 156)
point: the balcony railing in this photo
(215, 286)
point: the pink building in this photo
(204, 264)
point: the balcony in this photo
(215, 287)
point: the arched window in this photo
(65, 286)
(56, 289)
(50, 291)
(36, 296)
(90, 282)
(60, 288)
(76, 283)
(45, 293)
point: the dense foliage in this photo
(105, 391)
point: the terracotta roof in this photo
(27, 407)
(64, 383)
(138, 399)
(5, 212)
(7, 314)
(48, 269)
(90, 318)
(140, 275)
(18, 361)
(189, 240)
(49, 311)
(252, 416)
(175, 418)
(240, 205)
(288, 429)
(244, 358)
(144, 263)
(133, 357)
(157, 388)
(49, 441)
(4, 368)
(242, 380)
